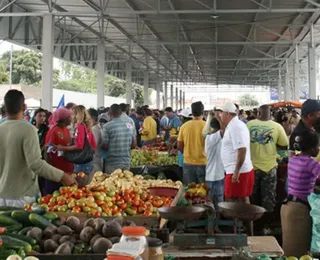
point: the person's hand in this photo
(235, 178)
(68, 179)
(59, 147)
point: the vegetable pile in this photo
(119, 180)
(98, 201)
(151, 157)
(197, 193)
(31, 233)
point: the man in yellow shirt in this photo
(149, 128)
(265, 137)
(191, 144)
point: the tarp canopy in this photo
(287, 104)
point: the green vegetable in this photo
(14, 228)
(21, 216)
(38, 209)
(39, 221)
(36, 248)
(50, 216)
(27, 239)
(7, 221)
(6, 213)
(15, 243)
(7, 208)
(25, 230)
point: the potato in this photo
(89, 223)
(86, 234)
(63, 249)
(49, 231)
(101, 245)
(56, 238)
(64, 230)
(111, 229)
(94, 239)
(73, 222)
(50, 246)
(98, 224)
(35, 233)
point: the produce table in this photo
(257, 246)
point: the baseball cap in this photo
(186, 113)
(230, 108)
(309, 106)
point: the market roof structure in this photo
(246, 42)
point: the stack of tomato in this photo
(98, 202)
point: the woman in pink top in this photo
(83, 125)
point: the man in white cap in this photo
(235, 154)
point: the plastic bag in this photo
(314, 201)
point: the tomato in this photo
(61, 202)
(144, 196)
(97, 214)
(53, 199)
(111, 194)
(81, 175)
(56, 194)
(134, 208)
(136, 203)
(61, 198)
(86, 209)
(80, 203)
(99, 202)
(99, 209)
(117, 197)
(109, 203)
(90, 198)
(51, 209)
(71, 204)
(78, 194)
(75, 210)
(147, 213)
(127, 198)
(55, 208)
(141, 210)
(104, 207)
(27, 207)
(62, 208)
(51, 204)
(119, 202)
(89, 194)
(123, 206)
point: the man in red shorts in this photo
(236, 156)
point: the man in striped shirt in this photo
(118, 139)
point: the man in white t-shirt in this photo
(235, 154)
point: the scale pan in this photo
(241, 211)
(181, 213)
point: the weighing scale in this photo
(196, 224)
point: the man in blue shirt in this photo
(118, 138)
(171, 124)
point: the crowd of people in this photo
(234, 151)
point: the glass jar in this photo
(135, 239)
(155, 249)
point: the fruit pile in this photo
(151, 157)
(99, 201)
(27, 232)
(158, 146)
(119, 180)
(197, 193)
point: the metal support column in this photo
(296, 66)
(177, 98)
(146, 88)
(184, 100)
(129, 82)
(158, 93)
(181, 99)
(286, 88)
(171, 95)
(100, 73)
(280, 90)
(47, 61)
(312, 66)
(165, 94)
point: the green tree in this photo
(4, 75)
(248, 100)
(26, 66)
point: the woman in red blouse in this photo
(83, 125)
(58, 135)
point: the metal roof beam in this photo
(132, 7)
(186, 37)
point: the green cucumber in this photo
(6, 213)
(7, 208)
(38, 210)
(50, 216)
(21, 216)
(7, 221)
(15, 243)
(29, 240)
(39, 221)
(25, 230)
(14, 228)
